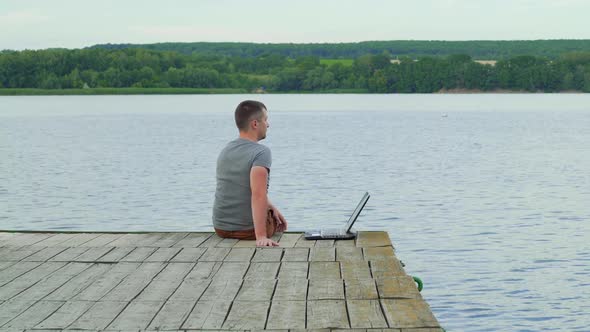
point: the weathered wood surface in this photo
(190, 281)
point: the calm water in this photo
(486, 197)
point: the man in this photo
(242, 209)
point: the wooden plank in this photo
(288, 240)
(28, 279)
(245, 244)
(408, 313)
(276, 237)
(33, 315)
(240, 255)
(256, 290)
(291, 290)
(345, 243)
(326, 314)
(169, 240)
(214, 254)
(101, 240)
(365, 314)
(207, 315)
(165, 283)
(232, 270)
(385, 269)
(11, 309)
(174, 271)
(136, 240)
(93, 254)
(56, 240)
(15, 271)
(247, 315)
(189, 255)
(293, 270)
(47, 285)
(138, 254)
(303, 243)
(402, 287)
(65, 315)
(361, 289)
(163, 255)
(27, 239)
(15, 254)
(324, 243)
(137, 315)
(134, 283)
(69, 254)
(116, 254)
(4, 265)
(326, 289)
(81, 238)
(192, 240)
(378, 253)
(190, 290)
(296, 255)
(286, 315)
(355, 270)
(106, 282)
(269, 254)
(212, 241)
(98, 316)
(373, 239)
(322, 254)
(78, 283)
(227, 243)
(349, 254)
(222, 290)
(324, 270)
(261, 271)
(204, 270)
(171, 316)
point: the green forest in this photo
(102, 68)
(479, 50)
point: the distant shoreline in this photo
(200, 91)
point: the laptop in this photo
(344, 233)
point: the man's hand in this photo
(266, 242)
(279, 218)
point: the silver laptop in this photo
(340, 233)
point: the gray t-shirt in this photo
(232, 209)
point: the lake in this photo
(485, 196)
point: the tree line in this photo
(377, 73)
(478, 49)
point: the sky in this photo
(40, 24)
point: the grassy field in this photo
(344, 62)
(117, 91)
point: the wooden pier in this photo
(198, 281)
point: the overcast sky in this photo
(35, 24)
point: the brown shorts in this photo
(249, 234)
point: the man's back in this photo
(232, 209)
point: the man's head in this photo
(252, 118)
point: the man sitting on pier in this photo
(242, 209)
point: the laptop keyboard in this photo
(332, 232)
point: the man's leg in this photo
(249, 234)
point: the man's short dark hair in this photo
(247, 111)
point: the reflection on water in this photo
(488, 204)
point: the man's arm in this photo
(260, 204)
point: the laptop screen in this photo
(357, 211)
